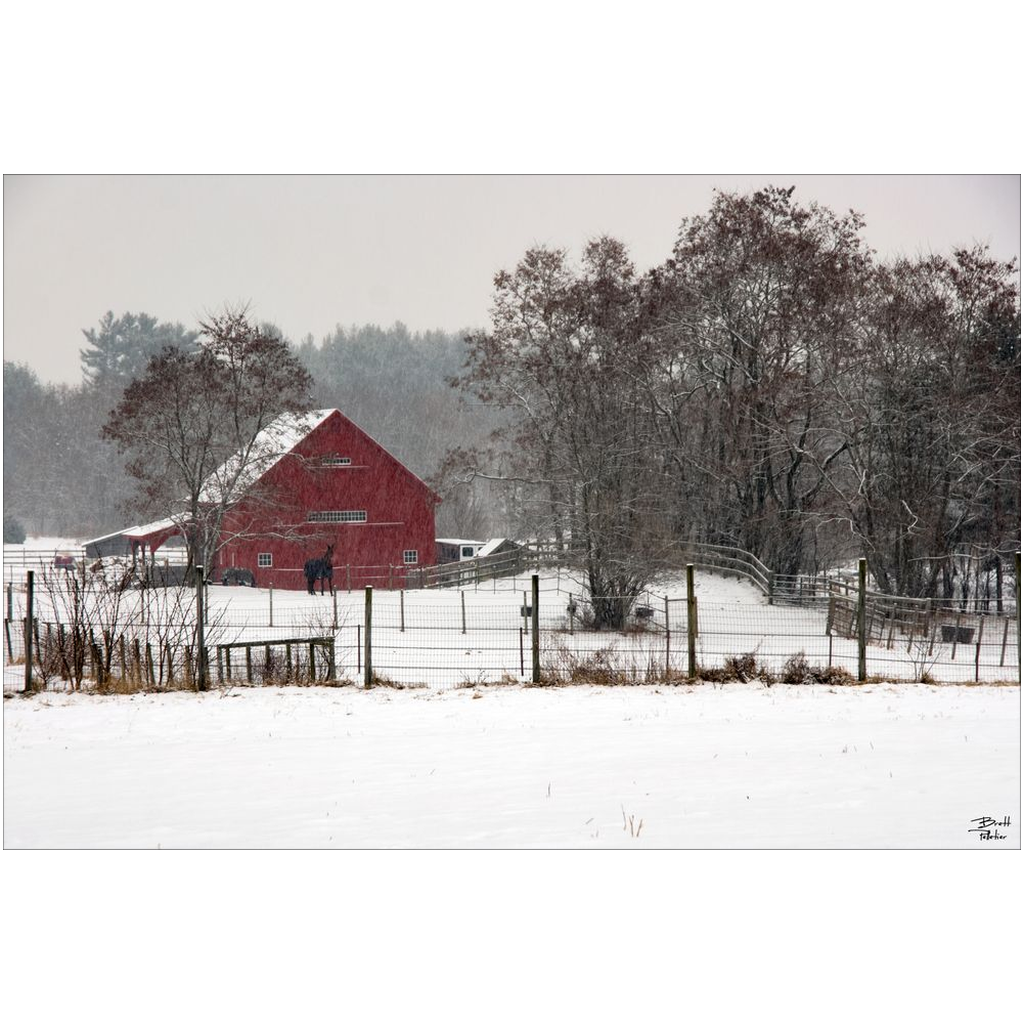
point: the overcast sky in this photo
(312, 252)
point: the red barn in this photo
(323, 481)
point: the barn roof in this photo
(269, 446)
(492, 545)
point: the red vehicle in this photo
(62, 560)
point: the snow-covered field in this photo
(701, 766)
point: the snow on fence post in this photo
(367, 668)
(535, 639)
(691, 623)
(862, 649)
(29, 597)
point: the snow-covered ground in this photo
(702, 766)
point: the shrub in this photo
(799, 672)
(742, 667)
(796, 671)
(14, 532)
(832, 675)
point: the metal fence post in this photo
(29, 598)
(691, 622)
(367, 668)
(271, 605)
(862, 640)
(535, 639)
(401, 611)
(462, 595)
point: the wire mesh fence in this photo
(451, 638)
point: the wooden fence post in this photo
(535, 640)
(462, 595)
(691, 623)
(1017, 610)
(367, 652)
(401, 611)
(272, 605)
(202, 668)
(29, 599)
(862, 642)
(977, 649)
(334, 602)
(668, 642)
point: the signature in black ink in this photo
(988, 828)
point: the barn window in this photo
(265, 559)
(336, 460)
(410, 557)
(336, 517)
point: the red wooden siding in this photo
(399, 513)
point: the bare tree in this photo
(560, 357)
(198, 426)
(932, 420)
(756, 309)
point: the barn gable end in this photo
(335, 485)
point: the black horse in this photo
(320, 569)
